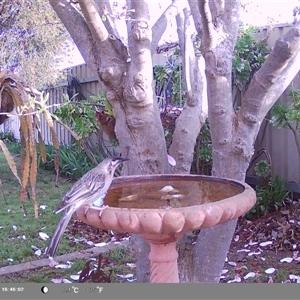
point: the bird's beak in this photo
(123, 159)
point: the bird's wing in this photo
(88, 187)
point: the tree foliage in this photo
(249, 54)
(32, 41)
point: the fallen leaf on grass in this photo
(38, 252)
(44, 236)
(63, 266)
(236, 279)
(264, 244)
(15, 228)
(270, 271)
(294, 278)
(131, 279)
(254, 253)
(57, 280)
(100, 244)
(125, 276)
(250, 275)
(253, 243)
(287, 259)
(74, 277)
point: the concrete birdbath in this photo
(161, 208)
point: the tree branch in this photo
(104, 9)
(207, 24)
(217, 11)
(77, 28)
(194, 114)
(196, 16)
(161, 24)
(93, 20)
(295, 133)
(232, 17)
(272, 78)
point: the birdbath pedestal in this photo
(161, 208)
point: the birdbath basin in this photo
(161, 208)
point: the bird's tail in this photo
(61, 227)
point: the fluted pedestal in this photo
(163, 263)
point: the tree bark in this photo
(127, 76)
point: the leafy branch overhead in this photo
(28, 105)
(33, 41)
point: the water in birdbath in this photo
(168, 193)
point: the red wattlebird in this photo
(89, 188)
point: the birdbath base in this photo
(163, 259)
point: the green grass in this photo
(114, 260)
(17, 244)
(16, 247)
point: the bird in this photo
(89, 188)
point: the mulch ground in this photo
(266, 248)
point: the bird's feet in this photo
(87, 207)
(100, 208)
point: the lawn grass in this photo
(17, 244)
(114, 261)
(19, 232)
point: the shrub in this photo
(73, 162)
(270, 191)
(7, 137)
